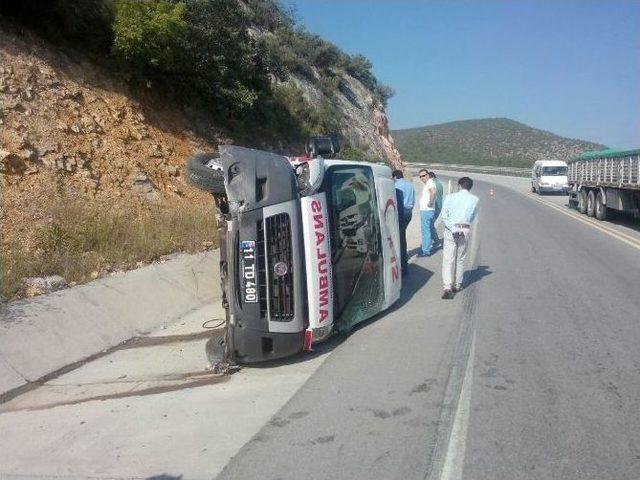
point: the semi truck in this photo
(604, 181)
(309, 246)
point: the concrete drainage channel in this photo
(124, 379)
(44, 337)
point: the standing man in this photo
(435, 240)
(458, 213)
(406, 195)
(427, 211)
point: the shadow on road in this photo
(475, 275)
(623, 220)
(417, 278)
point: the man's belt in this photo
(462, 225)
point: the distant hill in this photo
(488, 141)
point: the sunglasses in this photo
(423, 176)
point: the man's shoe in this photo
(447, 294)
(457, 288)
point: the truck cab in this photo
(311, 246)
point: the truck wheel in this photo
(205, 172)
(533, 189)
(601, 208)
(591, 203)
(582, 201)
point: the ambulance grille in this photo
(279, 255)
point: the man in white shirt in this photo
(427, 211)
(458, 214)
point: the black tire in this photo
(591, 204)
(601, 208)
(533, 189)
(582, 201)
(201, 175)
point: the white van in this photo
(549, 176)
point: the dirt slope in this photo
(67, 130)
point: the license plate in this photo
(248, 266)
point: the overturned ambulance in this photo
(309, 246)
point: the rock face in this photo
(364, 124)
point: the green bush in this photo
(198, 49)
(318, 119)
(148, 36)
(383, 93)
(281, 54)
(268, 15)
(360, 67)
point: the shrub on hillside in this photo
(148, 37)
(383, 93)
(316, 119)
(198, 49)
(360, 67)
(268, 15)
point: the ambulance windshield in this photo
(355, 244)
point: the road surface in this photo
(532, 372)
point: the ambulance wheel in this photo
(205, 172)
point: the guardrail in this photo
(507, 171)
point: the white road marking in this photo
(623, 237)
(447, 459)
(454, 458)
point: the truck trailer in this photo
(604, 181)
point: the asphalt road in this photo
(533, 371)
(551, 389)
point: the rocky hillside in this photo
(86, 170)
(91, 161)
(361, 118)
(490, 141)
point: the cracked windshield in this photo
(356, 257)
(320, 239)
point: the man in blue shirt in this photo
(406, 195)
(459, 210)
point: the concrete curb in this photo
(47, 333)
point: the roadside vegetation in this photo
(239, 69)
(81, 242)
(217, 56)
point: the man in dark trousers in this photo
(406, 195)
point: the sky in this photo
(568, 66)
